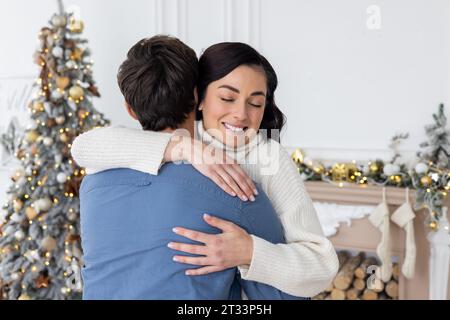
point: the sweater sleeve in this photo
(119, 147)
(307, 263)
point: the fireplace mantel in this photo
(362, 236)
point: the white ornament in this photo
(56, 94)
(421, 168)
(58, 52)
(42, 205)
(366, 169)
(29, 171)
(9, 230)
(48, 141)
(58, 158)
(16, 217)
(19, 235)
(59, 21)
(14, 276)
(391, 169)
(60, 119)
(70, 64)
(61, 177)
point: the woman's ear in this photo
(130, 111)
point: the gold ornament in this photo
(298, 156)
(31, 136)
(63, 137)
(76, 26)
(433, 225)
(18, 205)
(76, 92)
(319, 169)
(374, 168)
(77, 53)
(24, 296)
(62, 82)
(42, 281)
(31, 213)
(60, 120)
(426, 181)
(38, 106)
(48, 243)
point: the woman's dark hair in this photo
(157, 80)
(220, 59)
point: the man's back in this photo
(127, 218)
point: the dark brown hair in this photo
(220, 59)
(157, 80)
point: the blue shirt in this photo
(127, 218)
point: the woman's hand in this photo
(233, 247)
(214, 164)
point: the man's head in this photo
(158, 81)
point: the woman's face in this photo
(233, 106)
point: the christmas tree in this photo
(40, 252)
(431, 175)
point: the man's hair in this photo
(157, 80)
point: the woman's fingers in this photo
(217, 179)
(229, 180)
(243, 180)
(203, 270)
(188, 248)
(221, 224)
(197, 261)
(193, 235)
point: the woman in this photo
(236, 103)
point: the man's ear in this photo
(130, 111)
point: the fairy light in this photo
(26, 196)
(33, 268)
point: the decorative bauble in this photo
(24, 296)
(9, 230)
(50, 122)
(433, 225)
(72, 216)
(58, 52)
(57, 94)
(59, 21)
(298, 156)
(42, 205)
(42, 281)
(31, 136)
(391, 169)
(31, 213)
(62, 82)
(17, 174)
(318, 168)
(76, 54)
(421, 168)
(81, 113)
(48, 243)
(308, 161)
(373, 168)
(63, 137)
(18, 205)
(15, 276)
(34, 149)
(19, 235)
(60, 120)
(48, 141)
(76, 26)
(61, 177)
(426, 181)
(71, 64)
(38, 106)
(16, 217)
(76, 92)
(58, 158)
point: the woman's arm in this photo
(119, 147)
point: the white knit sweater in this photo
(304, 266)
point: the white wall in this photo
(344, 88)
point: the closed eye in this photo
(255, 105)
(227, 100)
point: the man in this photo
(127, 216)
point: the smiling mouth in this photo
(234, 129)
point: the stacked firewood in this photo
(358, 279)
